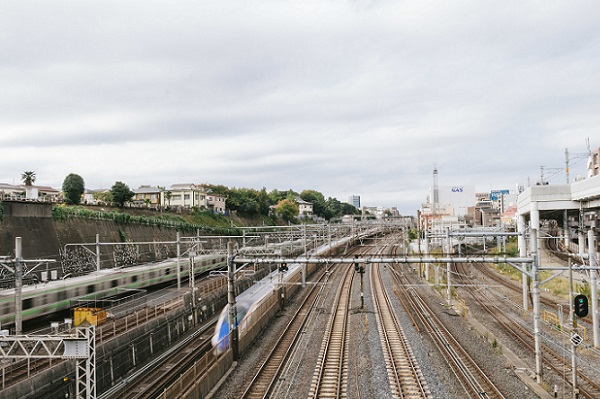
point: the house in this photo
(216, 202)
(10, 192)
(48, 194)
(96, 197)
(36, 193)
(185, 196)
(305, 209)
(147, 196)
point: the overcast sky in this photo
(342, 97)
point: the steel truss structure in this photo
(80, 346)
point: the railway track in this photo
(331, 372)
(22, 370)
(587, 387)
(265, 379)
(474, 380)
(404, 373)
(488, 272)
(19, 371)
(155, 379)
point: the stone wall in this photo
(45, 238)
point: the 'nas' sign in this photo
(457, 189)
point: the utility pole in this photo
(18, 286)
(15, 267)
(178, 261)
(536, 305)
(233, 331)
(594, 285)
(192, 281)
(448, 268)
(573, 333)
(358, 268)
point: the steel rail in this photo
(404, 372)
(265, 378)
(474, 380)
(331, 370)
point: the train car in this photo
(54, 296)
(257, 305)
(254, 306)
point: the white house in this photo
(305, 209)
(185, 196)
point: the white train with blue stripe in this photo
(258, 305)
(251, 305)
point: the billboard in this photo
(496, 194)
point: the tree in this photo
(264, 205)
(121, 193)
(28, 179)
(287, 209)
(73, 187)
(103, 197)
(348, 209)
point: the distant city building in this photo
(509, 217)
(430, 218)
(483, 213)
(354, 200)
(594, 163)
(459, 197)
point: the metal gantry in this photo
(80, 346)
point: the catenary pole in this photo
(593, 284)
(231, 301)
(18, 286)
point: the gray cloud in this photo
(345, 97)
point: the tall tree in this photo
(264, 205)
(73, 187)
(28, 179)
(121, 193)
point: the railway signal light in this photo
(580, 305)
(283, 267)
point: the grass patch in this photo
(204, 221)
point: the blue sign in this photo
(495, 194)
